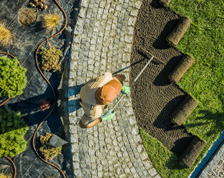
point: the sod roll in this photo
(183, 110)
(181, 68)
(178, 32)
(191, 153)
(165, 2)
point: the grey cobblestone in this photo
(103, 42)
(215, 168)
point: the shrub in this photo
(12, 131)
(50, 21)
(12, 77)
(50, 59)
(48, 151)
(5, 35)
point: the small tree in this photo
(12, 131)
(12, 77)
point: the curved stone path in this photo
(102, 42)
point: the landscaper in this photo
(96, 94)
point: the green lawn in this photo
(204, 40)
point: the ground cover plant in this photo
(204, 80)
(12, 77)
(51, 59)
(50, 21)
(49, 152)
(5, 35)
(12, 131)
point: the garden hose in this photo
(38, 67)
(13, 164)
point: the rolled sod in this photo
(178, 32)
(183, 110)
(165, 2)
(181, 68)
(191, 153)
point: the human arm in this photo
(107, 116)
(95, 122)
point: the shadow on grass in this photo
(174, 163)
(207, 118)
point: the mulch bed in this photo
(27, 38)
(154, 97)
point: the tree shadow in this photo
(174, 163)
(162, 79)
(30, 108)
(207, 118)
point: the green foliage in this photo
(49, 152)
(12, 77)
(164, 161)
(50, 59)
(12, 131)
(204, 80)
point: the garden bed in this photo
(26, 39)
(154, 96)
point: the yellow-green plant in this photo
(4, 175)
(5, 35)
(50, 59)
(50, 21)
(12, 131)
(48, 151)
(12, 77)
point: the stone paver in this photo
(215, 168)
(102, 42)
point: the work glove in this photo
(125, 90)
(108, 116)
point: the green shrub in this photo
(50, 59)
(48, 151)
(12, 77)
(12, 131)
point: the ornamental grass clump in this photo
(12, 131)
(50, 21)
(5, 35)
(12, 77)
(4, 176)
(48, 151)
(50, 59)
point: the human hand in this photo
(125, 90)
(108, 116)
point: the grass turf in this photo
(204, 81)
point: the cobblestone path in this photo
(215, 168)
(102, 42)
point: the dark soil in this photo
(154, 97)
(25, 43)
